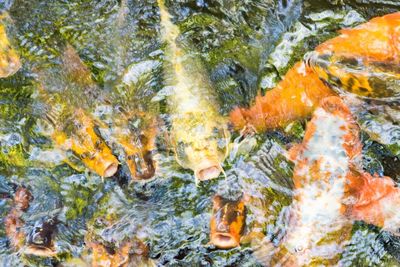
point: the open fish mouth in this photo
(224, 240)
(110, 170)
(141, 166)
(40, 251)
(207, 171)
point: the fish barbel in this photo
(199, 133)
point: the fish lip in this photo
(145, 173)
(224, 240)
(110, 170)
(13, 68)
(207, 171)
(38, 250)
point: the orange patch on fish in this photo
(85, 143)
(295, 97)
(227, 222)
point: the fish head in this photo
(40, 239)
(227, 222)
(356, 76)
(203, 150)
(137, 136)
(141, 165)
(84, 141)
(9, 59)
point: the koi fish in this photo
(136, 132)
(74, 130)
(39, 242)
(133, 253)
(331, 190)
(136, 141)
(199, 133)
(9, 60)
(362, 61)
(227, 222)
(13, 222)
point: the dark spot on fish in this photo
(363, 89)
(110, 250)
(333, 79)
(43, 232)
(349, 61)
(350, 84)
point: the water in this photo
(244, 45)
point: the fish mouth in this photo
(224, 240)
(104, 164)
(40, 251)
(208, 172)
(141, 167)
(110, 170)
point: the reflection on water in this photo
(119, 98)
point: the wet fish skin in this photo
(10, 61)
(199, 133)
(318, 227)
(132, 253)
(374, 43)
(227, 222)
(13, 222)
(138, 142)
(332, 190)
(84, 142)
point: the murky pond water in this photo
(243, 46)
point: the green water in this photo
(245, 46)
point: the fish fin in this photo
(294, 152)
(376, 202)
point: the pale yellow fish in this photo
(199, 133)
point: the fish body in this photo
(10, 62)
(81, 138)
(199, 133)
(362, 61)
(136, 132)
(331, 190)
(67, 95)
(318, 227)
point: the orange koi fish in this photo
(363, 60)
(227, 222)
(331, 190)
(133, 253)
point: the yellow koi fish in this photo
(199, 133)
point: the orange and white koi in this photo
(331, 190)
(362, 61)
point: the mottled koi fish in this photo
(227, 222)
(363, 61)
(331, 190)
